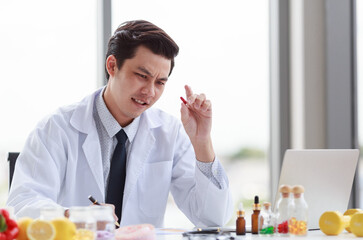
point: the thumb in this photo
(184, 111)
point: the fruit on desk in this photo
(23, 224)
(65, 229)
(8, 227)
(84, 234)
(41, 230)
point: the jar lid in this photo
(298, 189)
(266, 205)
(285, 189)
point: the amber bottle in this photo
(256, 213)
(240, 222)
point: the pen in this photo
(185, 102)
(95, 202)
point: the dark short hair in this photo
(132, 34)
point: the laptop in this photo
(327, 176)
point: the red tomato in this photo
(2, 236)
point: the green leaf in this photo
(3, 226)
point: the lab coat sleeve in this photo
(196, 195)
(39, 171)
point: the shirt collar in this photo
(110, 123)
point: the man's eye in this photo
(141, 75)
(161, 83)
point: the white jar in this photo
(105, 222)
(85, 222)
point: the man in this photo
(113, 146)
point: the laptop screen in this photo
(327, 176)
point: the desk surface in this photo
(311, 235)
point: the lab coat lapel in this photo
(140, 151)
(92, 152)
(82, 119)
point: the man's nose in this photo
(149, 89)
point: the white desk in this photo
(310, 235)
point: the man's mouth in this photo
(139, 101)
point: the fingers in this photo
(188, 91)
(197, 101)
(206, 106)
(113, 207)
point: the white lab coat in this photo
(61, 165)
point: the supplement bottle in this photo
(50, 213)
(283, 210)
(105, 223)
(85, 223)
(299, 216)
(266, 221)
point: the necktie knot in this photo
(121, 136)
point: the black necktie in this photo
(116, 182)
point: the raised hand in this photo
(196, 116)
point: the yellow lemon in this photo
(84, 234)
(23, 224)
(41, 230)
(65, 229)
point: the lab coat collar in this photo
(81, 116)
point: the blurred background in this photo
(50, 57)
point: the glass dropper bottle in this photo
(256, 213)
(240, 222)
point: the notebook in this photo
(327, 176)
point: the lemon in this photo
(41, 230)
(65, 229)
(84, 234)
(23, 224)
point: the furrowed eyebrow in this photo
(144, 70)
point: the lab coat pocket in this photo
(153, 188)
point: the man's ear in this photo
(111, 65)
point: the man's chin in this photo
(137, 114)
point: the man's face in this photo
(137, 85)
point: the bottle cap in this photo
(266, 205)
(298, 189)
(284, 189)
(240, 212)
(256, 205)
